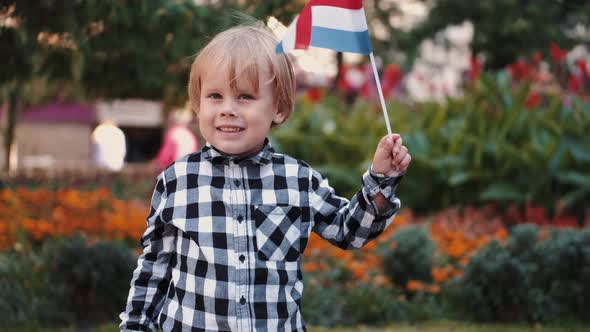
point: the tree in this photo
(142, 49)
(282, 10)
(111, 49)
(508, 29)
(36, 41)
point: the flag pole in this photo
(383, 107)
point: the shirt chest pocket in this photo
(278, 232)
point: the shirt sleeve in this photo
(152, 276)
(352, 224)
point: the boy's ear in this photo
(279, 117)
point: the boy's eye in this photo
(246, 96)
(214, 95)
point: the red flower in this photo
(565, 222)
(393, 73)
(513, 214)
(574, 84)
(583, 66)
(558, 54)
(475, 68)
(537, 58)
(532, 100)
(535, 215)
(314, 94)
(519, 71)
(392, 77)
(343, 84)
(368, 88)
(367, 91)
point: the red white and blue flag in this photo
(338, 25)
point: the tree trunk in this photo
(13, 98)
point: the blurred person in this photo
(179, 140)
(392, 81)
(228, 225)
(368, 89)
(350, 82)
(108, 146)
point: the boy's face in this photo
(237, 122)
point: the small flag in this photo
(339, 25)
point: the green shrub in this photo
(25, 292)
(424, 306)
(373, 305)
(411, 259)
(332, 299)
(494, 285)
(564, 273)
(15, 291)
(68, 282)
(529, 279)
(329, 303)
(324, 297)
(94, 277)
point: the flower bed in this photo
(42, 214)
(435, 267)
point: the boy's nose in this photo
(227, 109)
(228, 112)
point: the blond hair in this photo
(243, 49)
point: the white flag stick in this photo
(380, 93)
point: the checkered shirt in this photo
(225, 236)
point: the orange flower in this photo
(415, 286)
(457, 273)
(457, 249)
(419, 286)
(501, 234)
(433, 289)
(65, 212)
(464, 261)
(441, 275)
(381, 281)
(311, 267)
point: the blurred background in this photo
(492, 99)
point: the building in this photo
(57, 136)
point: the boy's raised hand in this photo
(391, 157)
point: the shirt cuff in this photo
(375, 183)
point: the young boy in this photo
(228, 225)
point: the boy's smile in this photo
(236, 120)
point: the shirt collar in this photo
(262, 157)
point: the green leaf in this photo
(578, 150)
(459, 178)
(502, 192)
(555, 162)
(447, 161)
(579, 195)
(575, 178)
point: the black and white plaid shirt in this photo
(224, 239)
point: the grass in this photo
(439, 326)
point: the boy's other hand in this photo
(391, 157)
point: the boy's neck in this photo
(262, 155)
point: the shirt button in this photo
(243, 301)
(237, 183)
(240, 218)
(242, 258)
